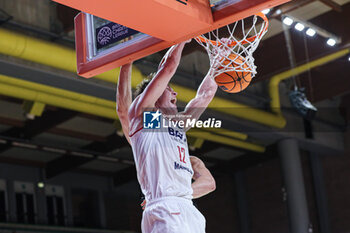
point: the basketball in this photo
(233, 81)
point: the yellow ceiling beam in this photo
(43, 52)
(195, 143)
(58, 101)
(227, 141)
(227, 133)
(56, 91)
(275, 80)
(68, 100)
(33, 109)
(50, 54)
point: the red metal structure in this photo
(167, 22)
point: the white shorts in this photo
(172, 215)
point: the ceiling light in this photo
(41, 185)
(266, 11)
(331, 42)
(299, 26)
(310, 32)
(349, 58)
(288, 21)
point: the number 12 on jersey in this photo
(182, 154)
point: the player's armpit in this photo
(204, 182)
(200, 102)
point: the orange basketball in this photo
(233, 81)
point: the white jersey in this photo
(162, 163)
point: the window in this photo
(25, 202)
(55, 205)
(3, 203)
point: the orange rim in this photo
(245, 41)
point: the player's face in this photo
(167, 101)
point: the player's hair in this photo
(142, 86)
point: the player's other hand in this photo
(143, 204)
(226, 41)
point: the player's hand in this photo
(226, 41)
(143, 205)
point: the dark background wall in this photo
(88, 195)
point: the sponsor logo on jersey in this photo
(177, 135)
(178, 166)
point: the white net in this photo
(231, 48)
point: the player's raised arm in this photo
(157, 85)
(204, 182)
(124, 97)
(205, 93)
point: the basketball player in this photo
(124, 99)
(163, 165)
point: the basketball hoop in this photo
(231, 48)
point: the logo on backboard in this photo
(111, 33)
(104, 35)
